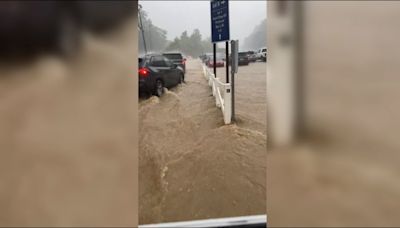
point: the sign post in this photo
(220, 33)
(227, 60)
(219, 27)
(234, 56)
(215, 59)
(234, 69)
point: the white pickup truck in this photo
(262, 54)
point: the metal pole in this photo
(233, 96)
(215, 58)
(227, 60)
(233, 67)
(150, 39)
(141, 28)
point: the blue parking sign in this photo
(219, 20)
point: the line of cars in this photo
(252, 56)
(245, 58)
(208, 60)
(157, 71)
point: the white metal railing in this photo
(222, 93)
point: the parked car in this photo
(207, 56)
(177, 58)
(252, 56)
(204, 58)
(262, 54)
(157, 72)
(243, 58)
(201, 57)
(29, 28)
(219, 62)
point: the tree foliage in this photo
(155, 37)
(193, 45)
(156, 40)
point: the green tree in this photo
(207, 45)
(195, 45)
(174, 45)
(185, 43)
(192, 45)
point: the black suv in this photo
(157, 72)
(177, 58)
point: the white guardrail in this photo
(222, 93)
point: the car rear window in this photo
(173, 56)
(158, 61)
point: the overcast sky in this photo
(178, 16)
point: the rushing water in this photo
(191, 165)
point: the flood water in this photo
(191, 165)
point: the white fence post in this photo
(227, 104)
(222, 93)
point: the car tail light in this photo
(183, 61)
(143, 72)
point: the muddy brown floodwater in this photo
(191, 165)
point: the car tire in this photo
(181, 78)
(159, 88)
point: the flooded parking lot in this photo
(250, 95)
(191, 165)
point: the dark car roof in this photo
(153, 54)
(172, 53)
(150, 55)
(147, 57)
